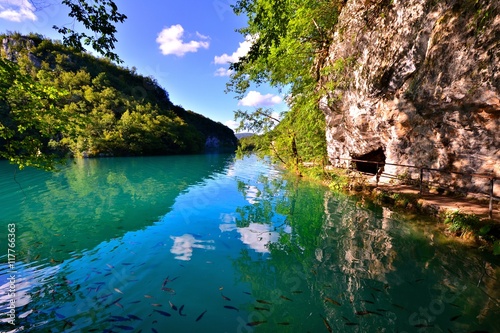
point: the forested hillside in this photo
(88, 106)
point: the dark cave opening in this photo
(373, 156)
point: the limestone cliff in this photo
(415, 82)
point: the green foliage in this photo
(496, 248)
(478, 12)
(29, 118)
(338, 179)
(72, 103)
(255, 144)
(98, 16)
(461, 222)
(290, 40)
(259, 121)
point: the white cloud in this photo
(276, 115)
(170, 40)
(255, 98)
(232, 124)
(221, 71)
(17, 10)
(240, 52)
(201, 36)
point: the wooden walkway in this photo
(472, 204)
(441, 203)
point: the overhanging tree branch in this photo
(99, 17)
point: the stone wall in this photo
(421, 83)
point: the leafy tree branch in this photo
(100, 18)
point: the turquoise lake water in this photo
(210, 243)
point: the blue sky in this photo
(186, 45)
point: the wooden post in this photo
(490, 208)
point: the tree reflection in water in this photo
(355, 264)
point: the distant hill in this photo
(107, 109)
(243, 135)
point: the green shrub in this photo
(461, 222)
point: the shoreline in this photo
(465, 219)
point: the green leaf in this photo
(496, 248)
(484, 230)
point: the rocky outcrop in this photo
(419, 82)
(10, 49)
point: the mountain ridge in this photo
(109, 110)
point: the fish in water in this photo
(225, 297)
(123, 327)
(367, 301)
(168, 290)
(264, 302)
(119, 299)
(133, 317)
(256, 323)
(163, 313)
(363, 313)
(231, 307)
(201, 315)
(60, 316)
(455, 317)
(327, 325)
(285, 298)
(172, 305)
(156, 304)
(261, 309)
(154, 330)
(180, 310)
(68, 323)
(328, 299)
(118, 291)
(284, 323)
(148, 296)
(351, 324)
(398, 306)
(297, 292)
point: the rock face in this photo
(11, 46)
(416, 82)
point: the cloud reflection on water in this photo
(184, 245)
(257, 236)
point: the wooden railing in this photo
(491, 177)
